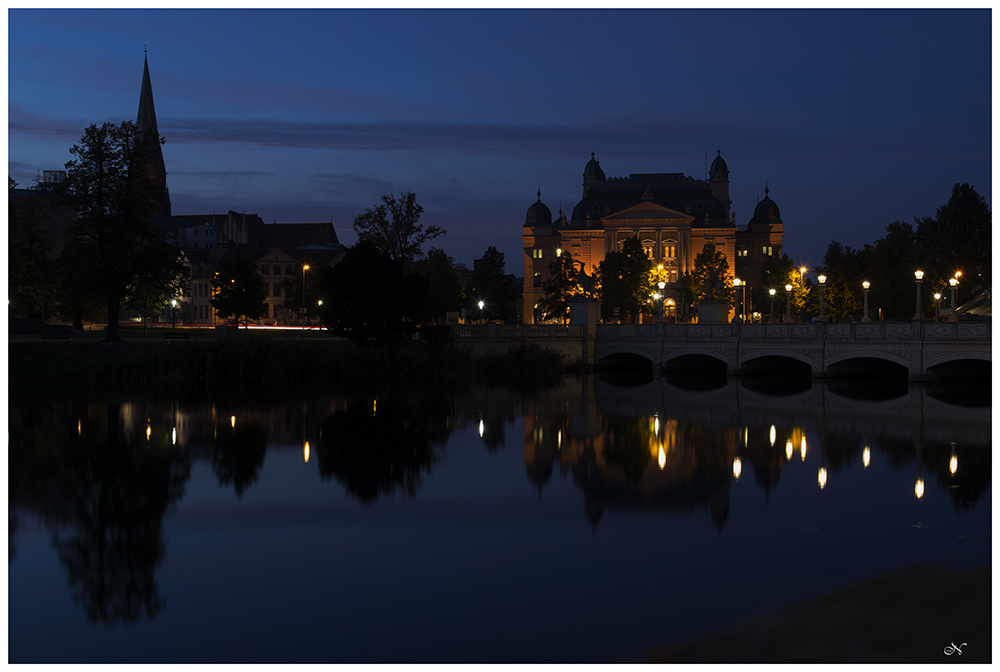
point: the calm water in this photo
(585, 523)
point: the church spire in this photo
(146, 121)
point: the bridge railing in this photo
(517, 331)
(866, 331)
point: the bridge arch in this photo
(716, 354)
(865, 353)
(625, 353)
(778, 352)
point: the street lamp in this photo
(772, 292)
(739, 312)
(662, 285)
(937, 306)
(822, 304)
(305, 316)
(173, 304)
(954, 298)
(481, 304)
(865, 317)
(788, 309)
(919, 275)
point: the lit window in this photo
(538, 280)
(536, 253)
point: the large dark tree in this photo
(365, 296)
(162, 276)
(626, 280)
(393, 226)
(238, 290)
(444, 291)
(108, 187)
(958, 238)
(30, 270)
(495, 288)
(888, 265)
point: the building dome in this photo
(719, 166)
(766, 212)
(538, 213)
(593, 170)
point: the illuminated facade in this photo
(673, 214)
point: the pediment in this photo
(647, 212)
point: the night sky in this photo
(853, 118)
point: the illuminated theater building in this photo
(673, 214)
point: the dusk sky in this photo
(853, 118)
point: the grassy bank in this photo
(266, 359)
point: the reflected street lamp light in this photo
(822, 304)
(865, 317)
(772, 293)
(788, 308)
(919, 275)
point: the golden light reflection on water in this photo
(953, 464)
(662, 457)
(773, 435)
(149, 430)
(232, 422)
(789, 449)
(822, 478)
(803, 449)
(866, 456)
(737, 468)
(918, 489)
(305, 452)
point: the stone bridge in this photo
(918, 346)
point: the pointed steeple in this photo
(146, 121)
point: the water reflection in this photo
(102, 476)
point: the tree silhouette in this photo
(626, 280)
(108, 187)
(393, 228)
(238, 290)
(376, 448)
(239, 450)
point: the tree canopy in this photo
(562, 285)
(494, 287)
(108, 188)
(709, 277)
(626, 280)
(238, 290)
(393, 226)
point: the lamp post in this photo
(305, 316)
(739, 310)
(173, 304)
(660, 297)
(822, 303)
(919, 275)
(772, 292)
(865, 317)
(788, 308)
(937, 306)
(954, 299)
(481, 304)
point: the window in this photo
(538, 280)
(766, 250)
(264, 269)
(536, 253)
(669, 251)
(277, 289)
(288, 269)
(277, 269)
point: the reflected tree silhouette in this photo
(375, 448)
(239, 454)
(117, 492)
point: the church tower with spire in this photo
(146, 121)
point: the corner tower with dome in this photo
(673, 214)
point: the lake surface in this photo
(589, 522)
